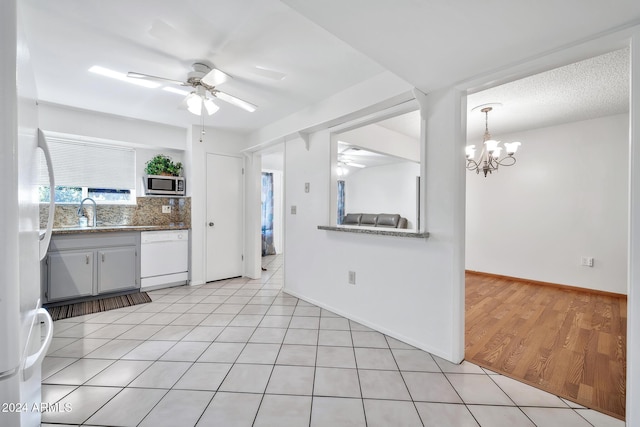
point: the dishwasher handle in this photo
(152, 239)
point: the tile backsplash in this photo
(147, 211)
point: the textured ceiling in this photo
(595, 87)
(584, 90)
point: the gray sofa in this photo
(375, 220)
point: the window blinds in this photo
(86, 164)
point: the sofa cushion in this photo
(369, 220)
(388, 220)
(351, 219)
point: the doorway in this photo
(272, 203)
(225, 207)
(530, 221)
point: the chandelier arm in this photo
(511, 162)
(492, 163)
(471, 165)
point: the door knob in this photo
(211, 224)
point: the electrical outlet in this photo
(587, 261)
(352, 277)
(294, 210)
(307, 187)
(166, 209)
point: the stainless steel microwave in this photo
(160, 185)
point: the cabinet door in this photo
(70, 274)
(117, 269)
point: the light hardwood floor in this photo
(571, 343)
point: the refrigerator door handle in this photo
(34, 360)
(44, 241)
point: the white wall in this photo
(382, 140)
(148, 138)
(58, 118)
(408, 288)
(564, 199)
(383, 189)
(633, 299)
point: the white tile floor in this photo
(243, 353)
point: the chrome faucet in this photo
(94, 221)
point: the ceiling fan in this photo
(204, 80)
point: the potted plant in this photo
(163, 165)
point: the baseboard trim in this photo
(553, 285)
(375, 327)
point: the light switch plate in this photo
(294, 210)
(306, 187)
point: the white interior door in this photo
(224, 217)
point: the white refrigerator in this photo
(25, 328)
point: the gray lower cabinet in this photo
(71, 274)
(87, 264)
(117, 269)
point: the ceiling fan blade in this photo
(135, 75)
(235, 101)
(215, 77)
(267, 73)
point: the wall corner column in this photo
(443, 136)
(633, 296)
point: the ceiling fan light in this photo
(210, 106)
(194, 103)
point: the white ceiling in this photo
(322, 47)
(349, 153)
(407, 124)
(435, 43)
(164, 37)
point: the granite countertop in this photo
(115, 228)
(377, 231)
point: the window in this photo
(76, 194)
(341, 212)
(378, 160)
(104, 172)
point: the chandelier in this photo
(490, 155)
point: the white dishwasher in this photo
(164, 258)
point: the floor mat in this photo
(95, 306)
